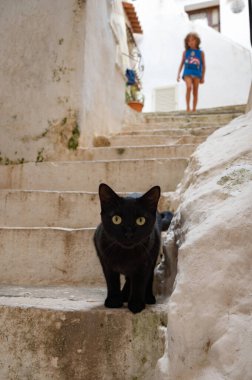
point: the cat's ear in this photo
(107, 195)
(151, 198)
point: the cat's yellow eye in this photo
(140, 221)
(117, 219)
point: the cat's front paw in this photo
(136, 307)
(113, 302)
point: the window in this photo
(210, 15)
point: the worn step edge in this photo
(61, 297)
(64, 334)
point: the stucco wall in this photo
(104, 86)
(40, 70)
(249, 104)
(57, 70)
(209, 335)
(228, 74)
(233, 25)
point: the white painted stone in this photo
(49, 256)
(20, 208)
(123, 140)
(143, 152)
(48, 209)
(167, 132)
(79, 175)
(191, 139)
(210, 323)
(156, 140)
(53, 59)
(66, 333)
(198, 119)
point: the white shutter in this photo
(165, 99)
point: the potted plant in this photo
(134, 97)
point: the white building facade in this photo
(224, 30)
(62, 67)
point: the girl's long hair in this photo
(194, 35)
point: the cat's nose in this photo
(128, 234)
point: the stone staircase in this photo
(53, 324)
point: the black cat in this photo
(127, 242)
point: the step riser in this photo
(154, 140)
(169, 132)
(223, 110)
(96, 345)
(49, 257)
(193, 120)
(174, 128)
(127, 152)
(50, 209)
(142, 140)
(79, 176)
(191, 139)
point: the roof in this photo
(132, 17)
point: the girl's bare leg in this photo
(188, 81)
(195, 84)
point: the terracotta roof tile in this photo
(132, 16)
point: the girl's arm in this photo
(181, 66)
(203, 67)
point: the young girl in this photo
(194, 71)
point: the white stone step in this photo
(86, 175)
(143, 140)
(149, 140)
(168, 132)
(139, 152)
(191, 139)
(48, 209)
(48, 256)
(65, 333)
(192, 119)
(34, 208)
(232, 109)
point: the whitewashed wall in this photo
(233, 25)
(104, 84)
(55, 56)
(165, 25)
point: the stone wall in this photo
(209, 312)
(58, 76)
(165, 27)
(249, 104)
